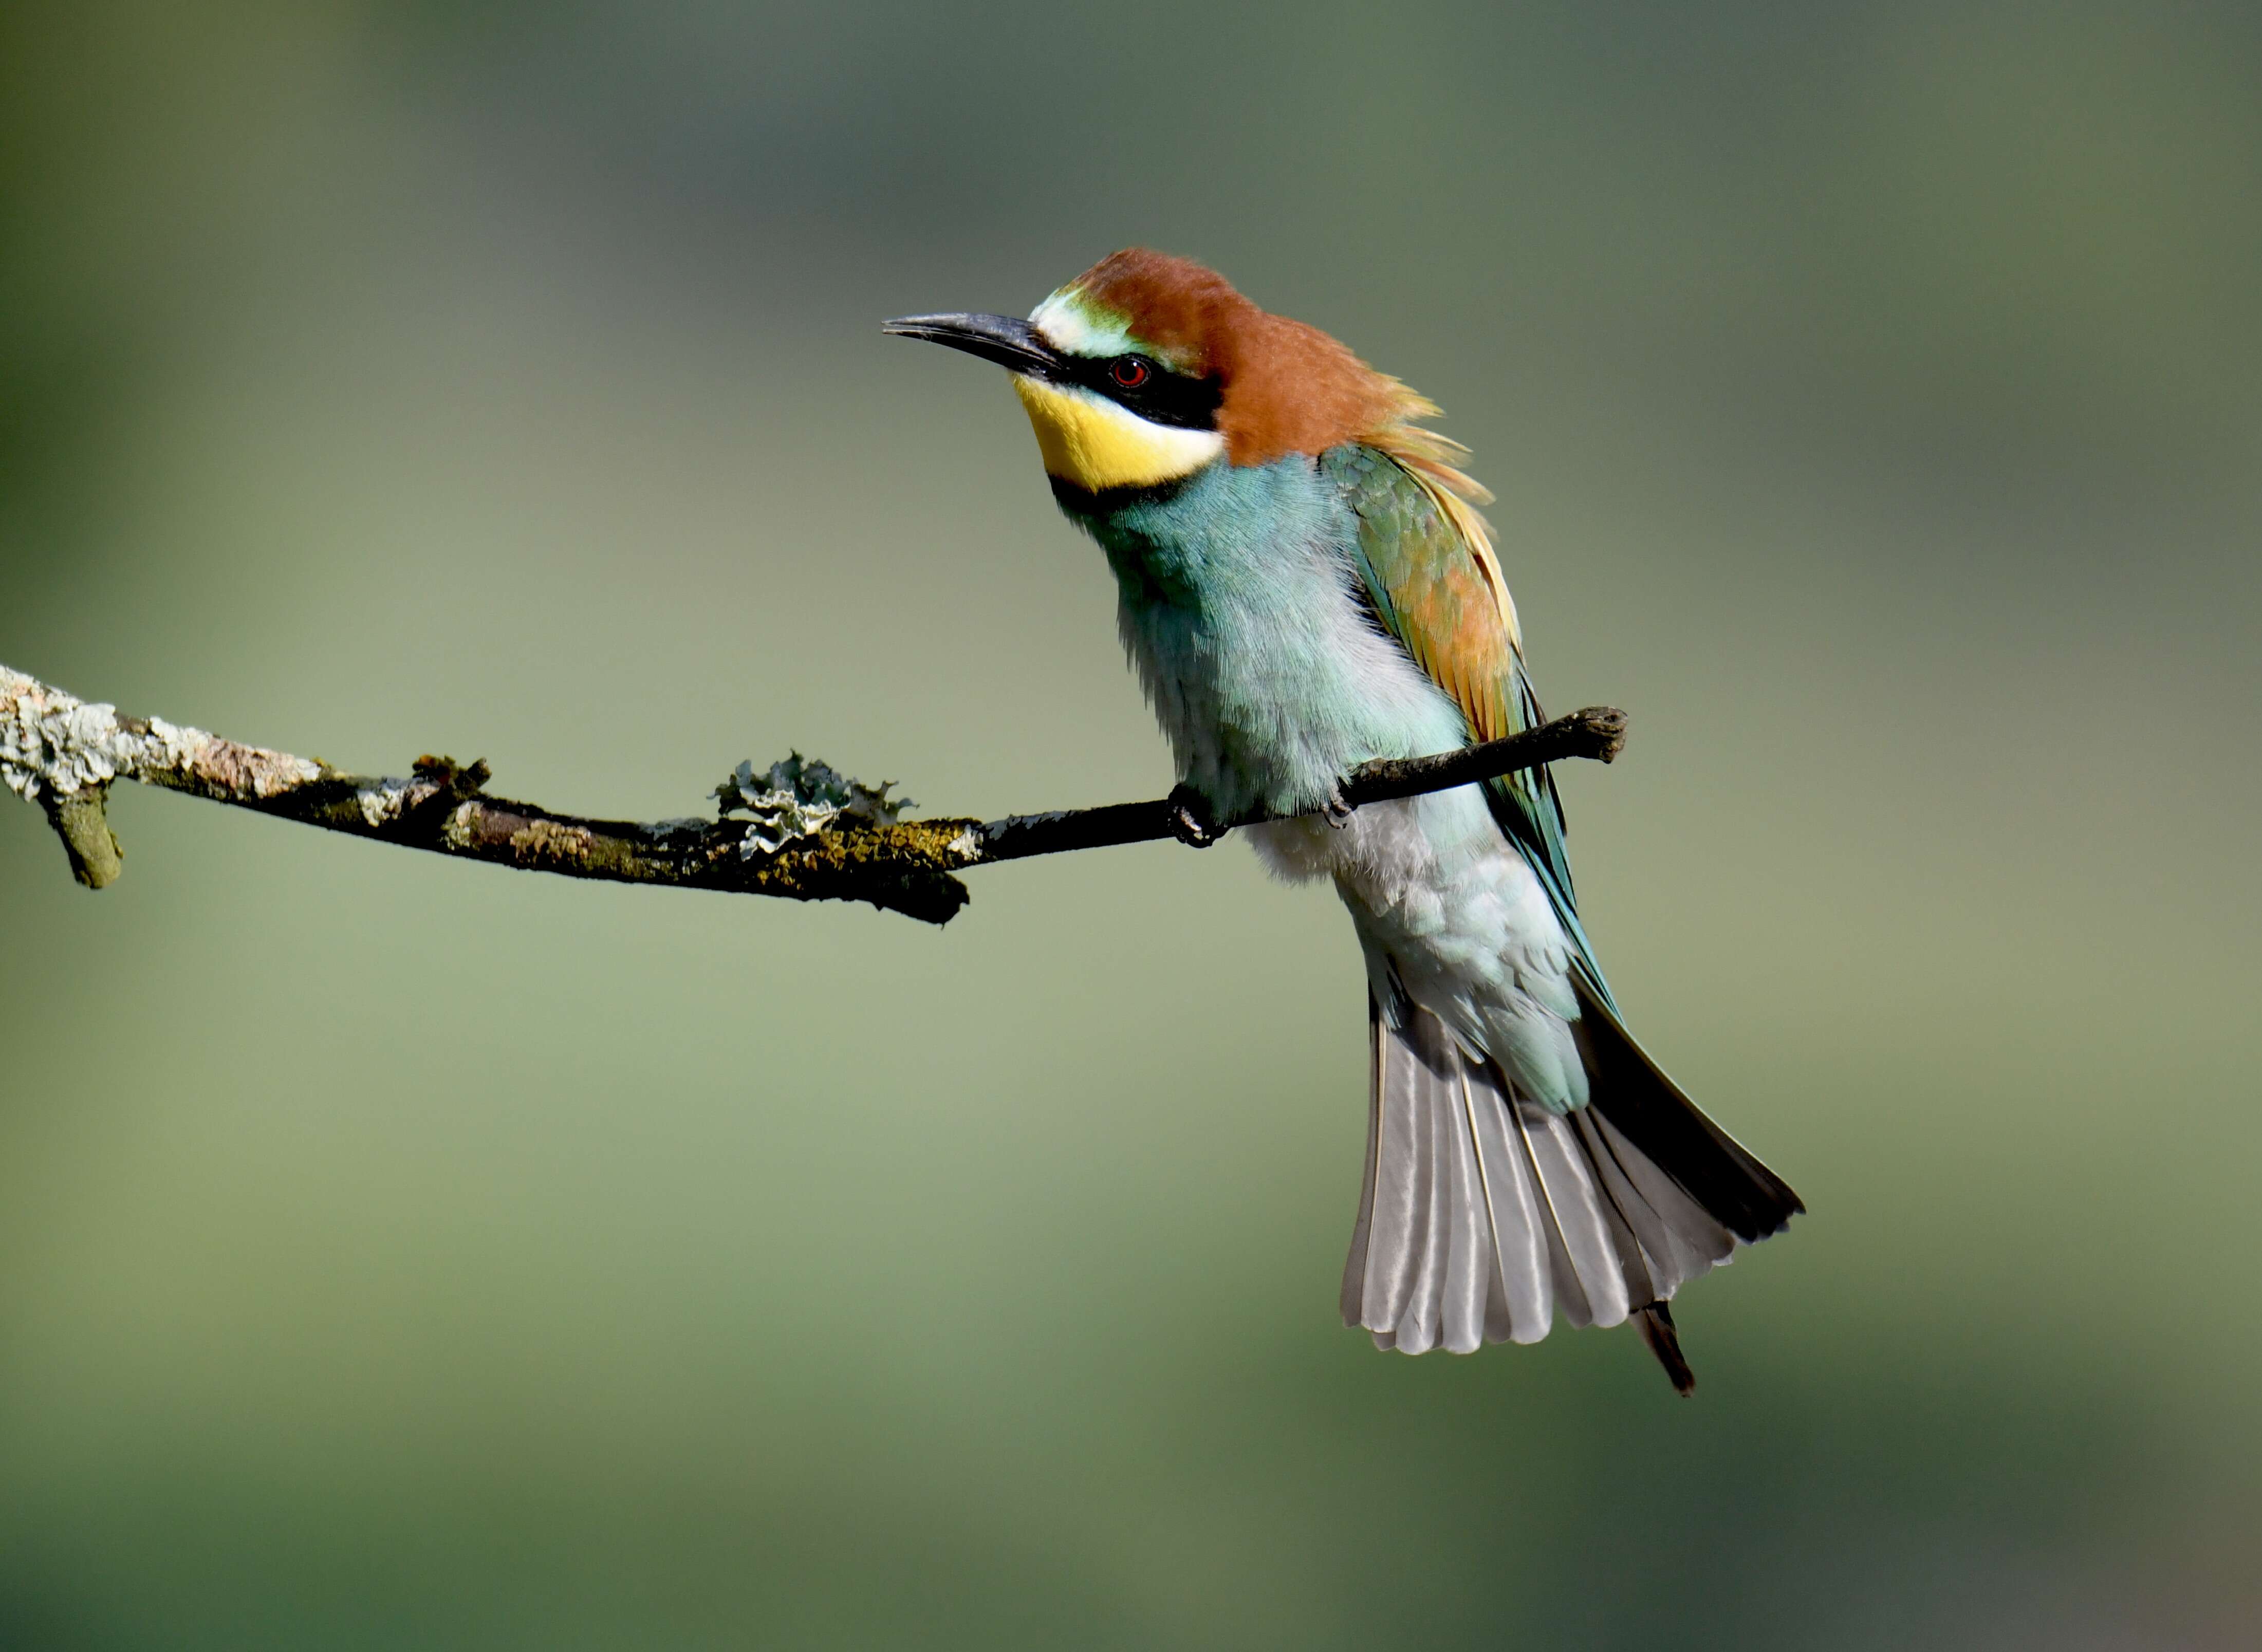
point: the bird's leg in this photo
(1337, 811)
(1192, 821)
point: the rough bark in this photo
(64, 753)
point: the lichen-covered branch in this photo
(809, 835)
(64, 753)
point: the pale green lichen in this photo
(52, 744)
(55, 745)
(798, 799)
(460, 830)
(382, 802)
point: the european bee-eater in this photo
(1306, 584)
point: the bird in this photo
(1306, 583)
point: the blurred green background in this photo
(396, 1253)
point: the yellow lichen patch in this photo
(908, 845)
(548, 843)
(1088, 440)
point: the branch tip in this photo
(80, 822)
(1605, 725)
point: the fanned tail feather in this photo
(1483, 1214)
(1663, 1128)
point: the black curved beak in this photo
(1010, 342)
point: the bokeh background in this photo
(396, 1253)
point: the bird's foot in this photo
(1192, 821)
(1336, 810)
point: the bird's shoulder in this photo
(1426, 559)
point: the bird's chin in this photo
(1100, 448)
(1081, 504)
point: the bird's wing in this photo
(1431, 576)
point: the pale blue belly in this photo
(1271, 682)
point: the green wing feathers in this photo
(1434, 584)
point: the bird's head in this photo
(1147, 368)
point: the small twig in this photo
(1598, 733)
(63, 753)
(77, 817)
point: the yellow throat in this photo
(1090, 441)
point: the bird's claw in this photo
(1335, 810)
(1192, 822)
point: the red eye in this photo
(1129, 372)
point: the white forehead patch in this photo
(1067, 327)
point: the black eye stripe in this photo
(1160, 395)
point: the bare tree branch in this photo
(63, 753)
